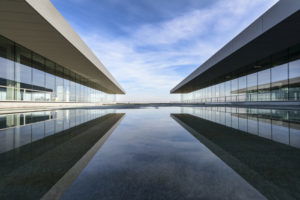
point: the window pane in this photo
(38, 95)
(66, 90)
(222, 92)
(38, 78)
(6, 62)
(279, 82)
(213, 93)
(50, 87)
(7, 69)
(252, 87)
(234, 89)
(59, 89)
(218, 90)
(50, 80)
(84, 94)
(72, 91)
(242, 88)
(23, 69)
(264, 81)
(23, 74)
(38, 74)
(77, 92)
(228, 91)
(294, 80)
(208, 93)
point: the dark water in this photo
(151, 153)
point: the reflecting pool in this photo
(151, 153)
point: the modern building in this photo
(261, 64)
(43, 60)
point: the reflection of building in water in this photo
(262, 63)
(18, 119)
(271, 167)
(22, 128)
(278, 125)
(51, 151)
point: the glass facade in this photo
(27, 76)
(279, 83)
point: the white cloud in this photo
(222, 16)
(189, 39)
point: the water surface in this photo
(151, 153)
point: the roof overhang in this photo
(38, 26)
(276, 30)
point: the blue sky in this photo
(151, 45)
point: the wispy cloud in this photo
(154, 57)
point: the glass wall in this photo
(294, 80)
(27, 76)
(279, 83)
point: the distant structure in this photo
(261, 64)
(43, 60)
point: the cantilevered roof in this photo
(276, 30)
(38, 26)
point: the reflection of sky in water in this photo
(150, 156)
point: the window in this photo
(234, 89)
(78, 93)
(294, 80)
(66, 90)
(228, 91)
(50, 81)
(59, 89)
(7, 70)
(38, 78)
(213, 93)
(72, 91)
(279, 85)
(208, 93)
(23, 69)
(264, 82)
(38, 74)
(252, 87)
(242, 81)
(222, 92)
(217, 90)
(23, 74)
